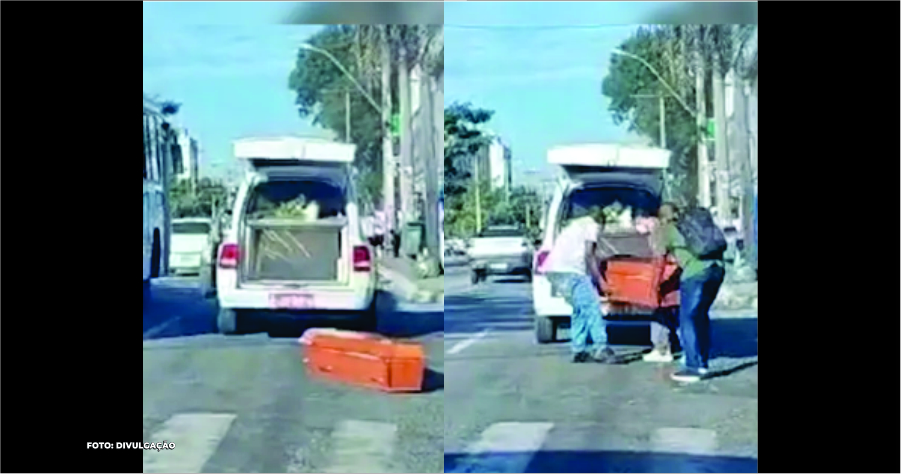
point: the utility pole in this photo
(662, 113)
(388, 166)
(347, 116)
(701, 117)
(743, 151)
(723, 203)
(528, 215)
(406, 139)
(432, 224)
(476, 166)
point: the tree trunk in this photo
(388, 166)
(723, 204)
(701, 101)
(433, 228)
(406, 136)
(742, 153)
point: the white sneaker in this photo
(684, 362)
(656, 356)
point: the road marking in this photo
(361, 446)
(685, 441)
(505, 447)
(196, 438)
(157, 330)
(463, 345)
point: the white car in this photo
(315, 260)
(190, 243)
(500, 250)
(596, 175)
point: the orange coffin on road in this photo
(637, 281)
(366, 360)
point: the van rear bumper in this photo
(332, 300)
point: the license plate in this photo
(499, 266)
(291, 301)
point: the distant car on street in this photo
(500, 250)
(190, 245)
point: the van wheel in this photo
(207, 285)
(227, 321)
(475, 278)
(369, 319)
(545, 330)
(156, 256)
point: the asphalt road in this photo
(456, 275)
(245, 404)
(514, 406)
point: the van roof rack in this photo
(293, 150)
(599, 155)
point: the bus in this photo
(158, 147)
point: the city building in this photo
(186, 159)
(494, 162)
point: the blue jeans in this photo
(697, 296)
(587, 320)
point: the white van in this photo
(595, 175)
(190, 245)
(296, 244)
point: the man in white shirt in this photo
(574, 270)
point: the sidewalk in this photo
(739, 291)
(401, 275)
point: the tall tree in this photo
(321, 89)
(632, 89)
(670, 50)
(462, 140)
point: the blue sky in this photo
(539, 66)
(228, 64)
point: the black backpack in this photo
(702, 236)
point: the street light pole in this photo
(477, 165)
(350, 76)
(347, 116)
(700, 115)
(662, 122)
(659, 78)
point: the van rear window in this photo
(625, 200)
(267, 198)
(192, 228)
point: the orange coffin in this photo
(366, 360)
(646, 282)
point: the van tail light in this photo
(229, 256)
(362, 259)
(539, 262)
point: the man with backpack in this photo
(698, 245)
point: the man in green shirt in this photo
(700, 283)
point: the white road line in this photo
(685, 441)
(463, 345)
(196, 438)
(155, 331)
(363, 447)
(505, 447)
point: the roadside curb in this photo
(409, 290)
